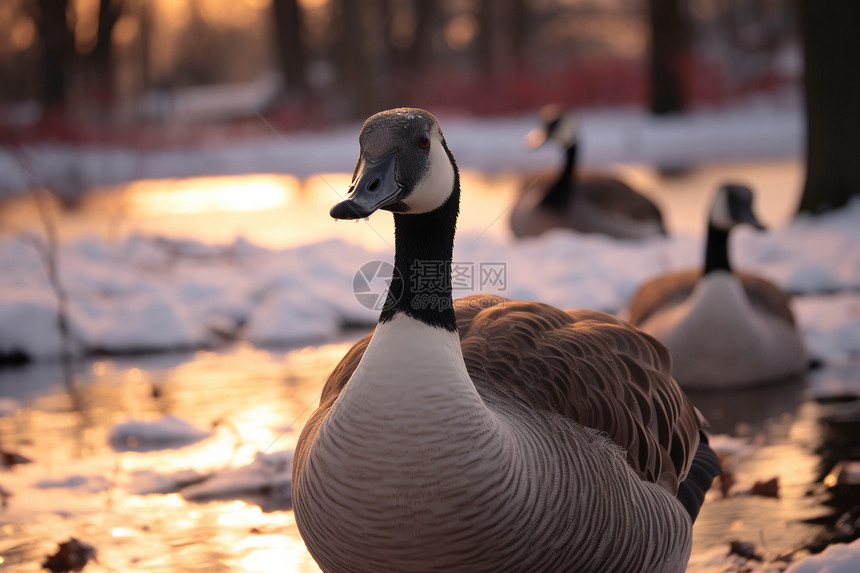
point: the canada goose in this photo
(584, 203)
(487, 434)
(724, 328)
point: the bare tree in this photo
(290, 46)
(518, 23)
(58, 48)
(420, 51)
(109, 13)
(48, 250)
(354, 61)
(670, 44)
(832, 88)
(485, 45)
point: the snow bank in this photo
(89, 484)
(8, 406)
(839, 558)
(269, 474)
(725, 445)
(149, 435)
(146, 482)
(757, 129)
(150, 294)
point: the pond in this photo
(278, 211)
(142, 505)
(248, 401)
(251, 400)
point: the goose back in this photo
(672, 289)
(724, 329)
(597, 204)
(603, 434)
(586, 366)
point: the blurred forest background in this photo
(118, 71)
(312, 62)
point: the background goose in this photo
(489, 434)
(572, 200)
(724, 328)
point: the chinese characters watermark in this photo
(373, 280)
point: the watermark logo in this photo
(371, 283)
(373, 280)
(493, 276)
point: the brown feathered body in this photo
(674, 288)
(559, 447)
(724, 329)
(597, 204)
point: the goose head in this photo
(733, 205)
(404, 166)
(556, 124)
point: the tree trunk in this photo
(109, 13)
(485, 49)
(354, 63)
(670, 43)
(832, 88)
(420, 49)
(291, 48)
(58, 47)
(518, 21)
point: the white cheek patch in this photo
(433, 190)
(720, 217)
(566, 133)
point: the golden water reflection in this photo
(280, 211)
(210, 194)
(254, 400)
(250, 401)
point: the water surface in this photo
(255, 400)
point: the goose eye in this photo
(424, 140)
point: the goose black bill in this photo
(374, 187)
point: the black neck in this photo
(560, 193)
(423, 250)
(717, 250)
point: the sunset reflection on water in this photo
(255, 400)
(252, 401)
(281, 211)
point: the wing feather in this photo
(617, 197)
(585, 365)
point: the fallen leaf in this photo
(744, 549)
(9, 459)
(72, 555)
(769, 488)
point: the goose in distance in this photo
(725, 328)
(569, 199)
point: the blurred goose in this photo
(488, 434)
(584, 203)
(724, 328)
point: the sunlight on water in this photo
(210, 194)
(134, 506)
(685, 198)
(279, 211)
(126, 504)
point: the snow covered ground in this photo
(153, 294)
(767, 127)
